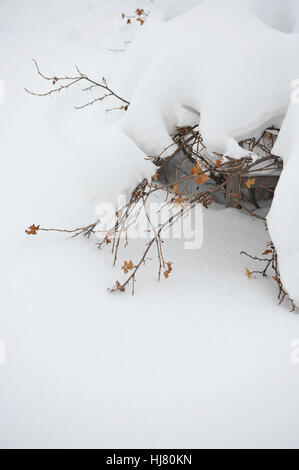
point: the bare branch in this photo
(194, 177)
(68, 81)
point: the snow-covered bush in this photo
(221, 70)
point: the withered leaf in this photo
(250, 183)
(248, 273)
(196, 170)
(120, 287)
(202, 179)
(199, 176)
(128, 266)
(178, 201)
(32, 230)
(168, 271)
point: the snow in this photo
(233, 89)
(283, 218)
(200, 360)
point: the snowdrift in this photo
(283, 220)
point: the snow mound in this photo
(234, 76)
(224, 64)
(283, 220)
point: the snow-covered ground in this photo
(203, 359)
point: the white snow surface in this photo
(200, 360)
